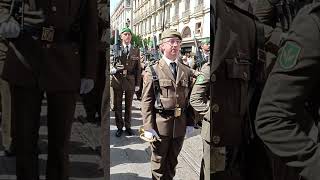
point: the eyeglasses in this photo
(173, 41)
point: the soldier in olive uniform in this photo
(233, 95)
(125, 80)
(168, 118)
(288, 112)
(205, 53)
(48, 60)
(213, 159)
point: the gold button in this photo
(54, 8)
(48, 45)
(213, 78)
(245, 75)
(215, 108)
(216, 139)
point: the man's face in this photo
(206, 47)
(126, 37)
(171, 47)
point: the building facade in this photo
(190, 17)
(122, 15)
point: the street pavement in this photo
(130, 155)
(84, 152)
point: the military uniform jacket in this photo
(58, 66)
(132, 67)
(173, 93)
(200, 100)
(234, 51)
(286, 121)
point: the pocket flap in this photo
(165, 82)
(238, 69)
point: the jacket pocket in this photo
(238, 73)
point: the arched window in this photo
(186, 32)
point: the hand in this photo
(113, 71)
(136, 88)
(189, 131)
(151, 133)
(86, 85)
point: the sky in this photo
(113, 4)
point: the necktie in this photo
(173, 67)
(127, 49)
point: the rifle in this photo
(155, 54)
(198, 58)
(117, 52)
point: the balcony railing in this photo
(198, 9)
(186, 14)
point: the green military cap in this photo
(168, 33)
(126, 30)
(205, 41)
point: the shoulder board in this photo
(241, 10)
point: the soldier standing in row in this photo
(232, 96)
(276, 21)
(126, 78)
(92, 100)
(288, 113)
(56, 56)
(204, 55)
(213, 157)
(164, 109)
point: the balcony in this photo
(186, 15)
(175, 20)
(198, 10)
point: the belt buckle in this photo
(47, 34)
(177, 112)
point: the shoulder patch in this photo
(289, 55)
(200, 79)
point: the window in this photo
(177, 9)
(198, 28)
(187, 5)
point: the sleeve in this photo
(281, 120)
(199, 95)
(91, 41)
(138, 70)
(147, 101)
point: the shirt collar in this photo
(168, 61)
(124, 46)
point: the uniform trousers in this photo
(27, 105)
(164, 157)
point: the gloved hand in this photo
(136, 88)
(86, 85)
(189, 131)
(113, 71)
(151, 133)
(9, 28)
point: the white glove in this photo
(10, 28)
(113, 71)
(86, 85)
(136, 88)
(150, 133)
(189, 131)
